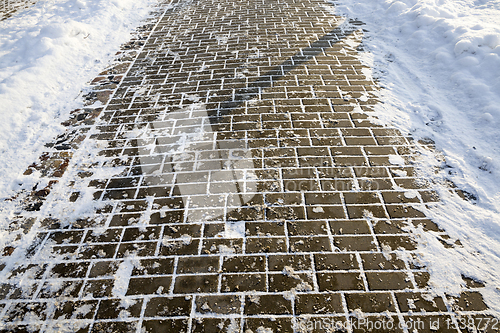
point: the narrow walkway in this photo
(240, 185)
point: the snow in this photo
(48, 52)
(439, 64)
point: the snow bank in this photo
(47, 54)
(439, 62)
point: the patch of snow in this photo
(122, 278)
(396, 160)
(234, 229)
(318, 209)
(48, 53)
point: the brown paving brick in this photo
(70, 270)
(325, 212)
(336, 184)
(375, 184)
(98, 288)
(97, 251)
(429, 196)
(195, 283)
(114, 326)
(349, 227)
(197, 265)
(289, 213)
(340, 281)
(244, 264)
(322, 198)
(35, 271)
(301, 185)
(361, 198)
(361, 211)
(218, 304)
(335, 261)
(417, 302)
(388, 280)
(23, 311)
(264, 228)
(66, 237)
(399, 197)
(141, 249)
(390, 227)
(370, 302)
(284, 199)
(346, 151)
(309, 244)
(381, 261)
(299, 262)
(421, 279)
(214, 325)
(243, 282)
(411, 183)
(154, 266)
(179, 247)
(273, 324)
(398, 211)
(318, 304)
(354, 243)
(149, 285)
(124, 219)
(397, 242)
(469, 301)
(289, 280)
(113, 308)
(371, 172)
(165, 325)
(266, 245)
(168, 306)
(307, 228)
(214, 246)
(67, 289)
(267, 304)
(70, 309)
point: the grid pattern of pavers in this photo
(9, 7)
(252, 189)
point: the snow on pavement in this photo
(439, 64)
(47, 54)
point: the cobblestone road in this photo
(241, 185)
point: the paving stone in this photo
(218, 304)
(195, 283)
(370, 302)
(168, 306)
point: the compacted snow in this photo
(439, 64)
(48, 53)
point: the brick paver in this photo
(9, 7)
(241, 185)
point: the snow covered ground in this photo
(437, 60)
(439, 64)
(48, 53)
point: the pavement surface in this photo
(9, 7)
(237, 182)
